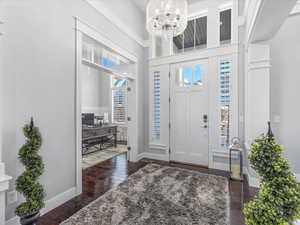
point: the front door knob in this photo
(205, 118)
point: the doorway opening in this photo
(106, 101)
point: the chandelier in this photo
(167, 18)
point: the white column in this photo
(152, 48)
(235, 23)
(213, 25)
(257, 98)
(257, 111)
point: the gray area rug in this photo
(160, 195)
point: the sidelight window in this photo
(225, 72)
(157, 106)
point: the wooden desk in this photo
(100, 137)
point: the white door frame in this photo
(84, 28)
(214, 56)
(204, 64)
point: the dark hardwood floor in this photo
(100, 178)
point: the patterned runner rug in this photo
(160, 195)
(101, 156)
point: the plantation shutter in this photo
(225, 72)
(119, 99)
(156, 107)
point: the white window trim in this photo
(234, 111)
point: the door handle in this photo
(205, 126)
(205, 118)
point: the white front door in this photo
(189, 113)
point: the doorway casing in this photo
(83, 28)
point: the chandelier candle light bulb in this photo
(167, 18)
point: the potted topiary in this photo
(27, 183)
(278, 200)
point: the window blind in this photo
(156, 106)
(119, 99)
(225, 71)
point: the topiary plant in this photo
(278, 200)
(27, 183)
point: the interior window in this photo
(194, 36)
(225, 26)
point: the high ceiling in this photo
(143, 3)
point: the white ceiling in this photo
(143, 3)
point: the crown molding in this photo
(126, 29)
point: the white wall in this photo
(134, 17)
(285, 80)
(96, 91)
(39, 81)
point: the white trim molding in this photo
(155, 156)
(158, 146)
(194, 55)
(49, 205)
(260, 64)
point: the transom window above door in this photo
(189, 76)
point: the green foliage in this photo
(278, 201)
(27, 183)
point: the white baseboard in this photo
(59, 200)
(49, 204)
(148, 155)
(252, 180)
